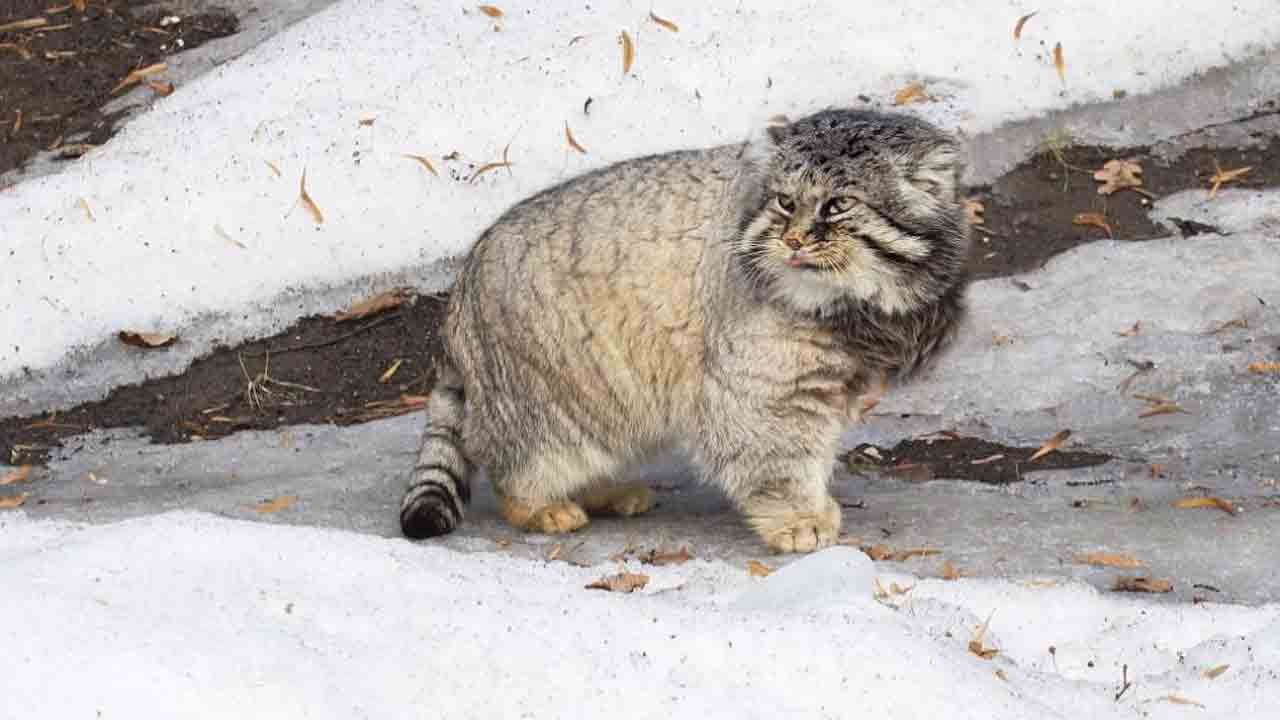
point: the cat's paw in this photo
(626, 500)
(797, 531)
(558, 518)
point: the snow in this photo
(187, 614)
(192, 232)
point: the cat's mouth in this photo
(802, 260)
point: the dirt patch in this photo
(322, 371)
(1029, 211)
(319, 370)
(958, 457)
(60, 67)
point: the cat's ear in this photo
(936, 169)
(760, 151)
(776, 129)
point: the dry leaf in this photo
(17, 122)
(1132, 331)
(1001, 340)
(22, 52)
(391, 371)
(491, 165)
(307, 201)
(1225, 506)
(1000, 674)
(1050, 445)
(367, 120)
(667, 24)
(146, 340)
(973, 212)
(878, 552)
(758, 569)
(28, 24)
(16, 475)
(1213, 673)
(139, 75)
(904, 555)
(378, 303)
(270, 506)
(425, 163)
(568, 135)
(163, 89)
(1221, 176)
(80, 5)
(555, 552)
(491, 10)
(975, 645)
(1157, 469)
(670, 557)
(912, 93)
(951, 572)
(623, 582)
(13, 501)
(628, 52)
(1179, 700)
(1109, 560)
(1060, 63)
(1161, 409)
(225, 236)
(1142, 584)
(1263, 368)
(1118, 175)
(897, 589)
(274, 168)
(84, 205)
(1017, 28)
(1092, 219)
(988, 459)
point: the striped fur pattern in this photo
(734, 303)
(440, 485)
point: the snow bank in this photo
(194, 615)
(193, 209)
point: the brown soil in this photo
(324, 371)
(58, 76)
(957, 457)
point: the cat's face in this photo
(855, 205)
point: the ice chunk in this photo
(834, 576)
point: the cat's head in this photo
(848, 205)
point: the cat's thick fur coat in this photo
(733, 302)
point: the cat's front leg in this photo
(788, 503)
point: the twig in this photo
(1125, 684)
(330, 341)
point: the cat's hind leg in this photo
(620, 500)
(538, 494)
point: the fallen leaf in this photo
(623, 582)
(1225, 506)
(270, 506)
(555, 552)
(163, 89)
(973, 211)
(1141, 584)
(912, 93)
(84, 205)
(1263, 368)
(425, 163)
(307, 201)
(878, 552)
(381, 302)
(1050, 445)
(137, 76)
(975, 645)
(146, 340)
(667, 24)
(1213, 673)
(274, 168)
(491, 10)
(628, 52)
(1157, 469)
(1001, 340)
(1161, 409)
(670, 557)
(1017, 28)
(988, 459)
(491, 165)
(905, 555)
(1118, 175)
(1092, 219)
(568, 135)
(1153, 399)
(1109, 560)
(1179, 700)
(951, 572)
(1059, 62)
(391, 371)
(1220, 177)
(22, 52)
(13, 501)
(74, 150)
(16, 475)
(1132, 331)
(28, 24)
(367, 120)
(758, 569)
(217, 229)
(17, 122)
(897, 589)
(80, 5)
(1000, 674)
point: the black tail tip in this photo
(427, 518)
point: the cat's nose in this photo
(795, 241)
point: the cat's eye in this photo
(837, 206)
(785, 203)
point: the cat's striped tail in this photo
(440, 485)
